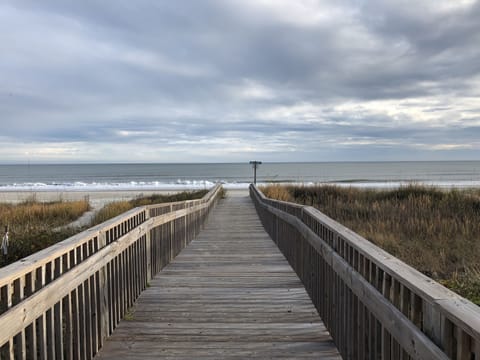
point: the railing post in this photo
(172, 237)
(148, 239)
(103, 295)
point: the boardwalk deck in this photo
(229, 294)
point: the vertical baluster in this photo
(372, 328)
(149, 255)
(116, 293)
(395, 298)
(75, 325)
(386, 337)
(31, 330)
(361, 331)
(19, 340)
(58, 315)
(110, 305)
(68, 328)
(131, 297)
(463, 345)
(7, 296)
(97, 314)
(81, 321)
(103, 302)
(41, 320)
(123, 288)
(476, 348)
(49, 319)
(143, 256)
(88, 318)
(65, 313)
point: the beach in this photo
(95, 197)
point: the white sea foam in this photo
(133, 185)
(180, 185)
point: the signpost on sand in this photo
(255, 165)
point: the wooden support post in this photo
(255, 165)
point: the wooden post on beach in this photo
(4, 244)
(255, 164)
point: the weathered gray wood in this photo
(229, 294)
(397, 324)
(63, 301)
(419, 315)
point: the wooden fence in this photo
(64, 301)
(374, 305)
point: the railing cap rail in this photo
(44, 256)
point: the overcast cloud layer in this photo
(226, 80)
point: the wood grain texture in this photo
(230, 294)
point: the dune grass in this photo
(118, 207)
(35, 225)
(436, 231)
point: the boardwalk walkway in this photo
(229, 294)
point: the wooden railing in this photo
(374, 305)
(64, 301)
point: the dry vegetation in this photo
(116, 208)
(34, 225)
(433, 230)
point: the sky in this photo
(238, 80)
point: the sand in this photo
(96, 198)
(93, 196)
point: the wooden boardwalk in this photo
(229, 295)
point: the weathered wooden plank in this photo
(220, 350)
(229, 294)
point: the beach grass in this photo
(35, 225)
(434, 230)
(119, 207)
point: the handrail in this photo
(374, 305)
(62, 302)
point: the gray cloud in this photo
(228, 80)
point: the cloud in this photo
(227, 80)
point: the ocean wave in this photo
(132, 185)
(181, 184)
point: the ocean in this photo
(86, 177)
